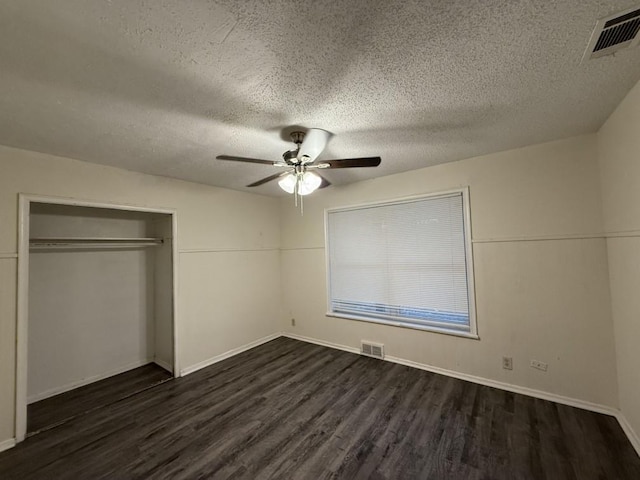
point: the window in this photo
(405, 263)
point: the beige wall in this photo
(228, 243)
(90, 316)
(540, 265)
(619, 158)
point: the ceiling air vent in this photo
(614, 33)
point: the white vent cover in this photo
(371, 349)
(614, 33)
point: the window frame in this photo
(468, 243)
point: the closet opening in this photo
(96, 307)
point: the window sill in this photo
(424, 328)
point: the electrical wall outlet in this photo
(539, 365)
(507, 363)
(293, 322)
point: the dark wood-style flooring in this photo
(53, 411)
(292, 410)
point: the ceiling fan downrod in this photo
(297, 138)
(291, 156)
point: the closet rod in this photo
(85, 242)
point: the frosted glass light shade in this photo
(309, 182)
(288, 183)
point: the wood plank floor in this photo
(56, 410)
(291, 410)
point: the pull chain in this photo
(296, 194)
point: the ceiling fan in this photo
(299, 176)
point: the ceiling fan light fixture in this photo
(303, 183)
(309, 182)
(288, 183)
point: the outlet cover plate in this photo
(507, 363)
(539, 365)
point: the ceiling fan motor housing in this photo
(290, 156)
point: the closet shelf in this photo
(93, 242)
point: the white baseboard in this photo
(337, 346)
(225, 355)
(85, 381)
(162, 364)
(530, 392)
(628, 430)
(7, 444)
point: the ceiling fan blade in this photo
(352, 162)
(315, 140)
(245, 159)
(325, 183)
(268, 179)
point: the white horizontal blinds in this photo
(402, 261)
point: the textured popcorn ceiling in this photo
(163, 87)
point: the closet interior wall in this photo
(96, 309)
